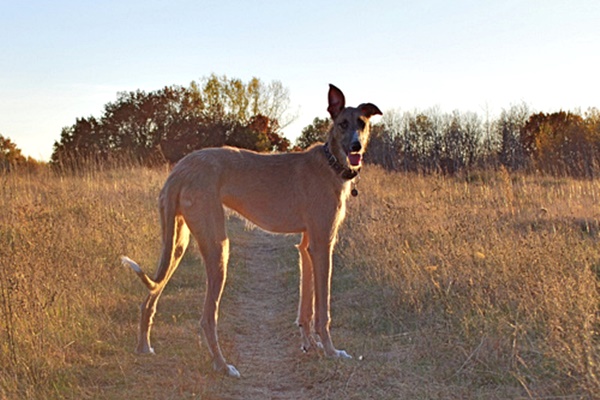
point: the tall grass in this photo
(61, 288)
(490, 281)
(495, 278)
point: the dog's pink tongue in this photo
(355, 159)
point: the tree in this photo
(386, 141)
(561, 142)
(270, 131)
(242, 101)
(461, 137)
(513, 154)
(315, 132)
(421, 142)
(167, 124)
(382, 149)
(10, 155)
(592, 119)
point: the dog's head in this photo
(349, 134)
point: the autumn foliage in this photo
(11, 157)
(563, 142)
(162, 126)
(560, 143)
(165, 125)
(10, 154)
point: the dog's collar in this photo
(344, 172)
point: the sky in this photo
(65, 59)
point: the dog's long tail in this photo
(128, 262)
(175, 236)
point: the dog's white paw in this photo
(227, 369)
(232, 372)
(341, 354)
(145, 350)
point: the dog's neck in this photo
(345, 172)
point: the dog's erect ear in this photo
(337, 102)
(368, 110)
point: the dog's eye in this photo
(361, 124)
(344, 124)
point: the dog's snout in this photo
(355, 146)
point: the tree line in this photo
(559, 143)
(164, 125)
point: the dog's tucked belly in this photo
(277, 218)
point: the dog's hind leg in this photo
(306, 293)
(173, 249)
(207, 223)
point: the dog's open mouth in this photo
(354, 159)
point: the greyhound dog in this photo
(303, 192)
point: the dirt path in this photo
(258, 312)
(258, 336)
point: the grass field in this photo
(485, 287)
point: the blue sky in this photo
(61, 59)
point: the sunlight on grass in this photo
(495, 278)
(62, 292)
(486, 282)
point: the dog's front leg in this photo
(321, 255)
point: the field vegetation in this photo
(490, 280)
(471, 286)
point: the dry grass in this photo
(491, 282)
(449, 288)
(63, 296)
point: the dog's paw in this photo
(227, 370)
(341, 354)
(232, 372)
(145, 350)
(310, 342)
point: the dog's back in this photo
(273, 191)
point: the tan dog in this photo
(302, 192)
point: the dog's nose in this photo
(355, 146)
